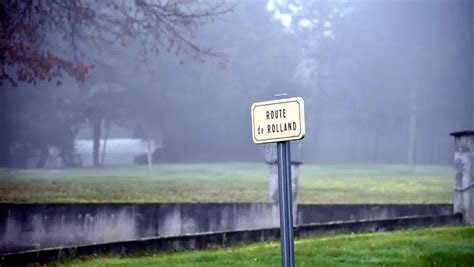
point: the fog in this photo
(383, 82)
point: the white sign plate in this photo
(278, 120)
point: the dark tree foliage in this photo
(29, 30)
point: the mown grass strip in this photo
(447, 246)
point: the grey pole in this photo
(285, 202)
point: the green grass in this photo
(228, 182)
(423, 247)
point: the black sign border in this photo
(277, 139)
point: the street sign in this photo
(278, 120)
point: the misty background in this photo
(383, 82)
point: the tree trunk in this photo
(5, 131)
(149, 152)
(43, 157)
(354, 148)
(412, 128)
(376, 147)
(431, 146)
(318, 119)
(106, 137)
(96, 141)
(472, 87)
(149, 142)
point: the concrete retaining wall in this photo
(347, 212)
(35, 226)
(222, 239)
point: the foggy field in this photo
(227, 182)
(424, 247)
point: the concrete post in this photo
(464, 180)
(273, 186)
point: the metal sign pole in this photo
(281, 121)
(285, 203)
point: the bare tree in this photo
(44, 40)
(29, 29)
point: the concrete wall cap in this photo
(293, 162)
(462, 133)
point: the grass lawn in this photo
(423, 247)
(228, 182)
